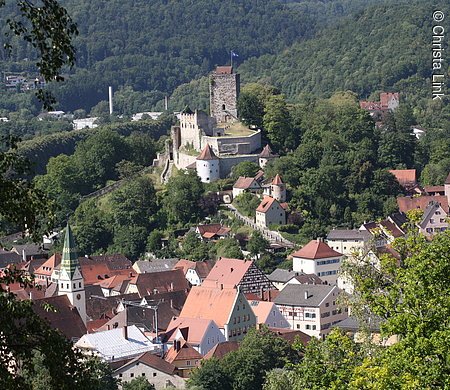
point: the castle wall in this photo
(182, 160)
(224, 92)
(234, 145)
(228, 162)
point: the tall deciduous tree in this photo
(277, 123)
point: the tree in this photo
(247, 204)
(257, 244)
(193, 248)
(34, 354)
(211, 375)
(139, 383)
(277, 123)
(228, 247)
(50, 30)
(183, 194)
(245, 168)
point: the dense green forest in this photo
(153, 47)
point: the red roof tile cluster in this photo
(385, 97)
(316, 249)
(201, 267)
(213, 229)
(229, 272)
(406, 203)
(277, 180)
(434, 189)
(182, 352)
(245, 183)
(406, 177)
(160, 282)
(221, 349)
(47, 268)
(210, 302)
(266, 204)
(207, 154)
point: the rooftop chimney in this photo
(306, 295)
(125, 332)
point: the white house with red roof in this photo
(276, 189)
(318, 258)
(208, 165)
(270, 211)
(245, 184)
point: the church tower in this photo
(223, 94)
(71, 281)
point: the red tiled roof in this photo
(267, 152)
(316, 249)
(186, 352)
(430, 189)
(202, 267)
(214, 229)
(48, 267)
(245, 183)
(405, 176)
(65, 317)
(114, 281)
(153, 361)
(386, 96)
(229, 272)
(406, 203)
(290, 335)
(196, 328)
(392, 228)
(207, 154)
(277, 180)
(160, 282)
(221, 349)
(266, 204)
(367, 105)
(210, 302)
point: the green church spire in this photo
(69, 260)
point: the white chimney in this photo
(110, 100)
(306, 295)
(24, 255)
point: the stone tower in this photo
(265, 156)
(71, 281)
(223, 94)
(278, 189)
(208, 165)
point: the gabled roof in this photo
(447, 180)
(392, 228)
(99, 307)
(229, 272)
(267, 152)
(347, 234)
(316, 249)
(262, 309)
(245, 183)
(221, 349)
(202, 268)
(207, 154)
(112, 344)
(295, 294)
(406, 203)
(210, 303)
(8, 258)
(291, 335)
(266, 204)
(431, 189)
(150, 360)
(429, 212)
(113, 281)
(154, 265)
(212, 229)
(185, 352)
(195, 328)
(65, 317)
(158, 282)
(277, 180)
(404, 176)
(48, 267)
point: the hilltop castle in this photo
(213, 144)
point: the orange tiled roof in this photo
(406, 203)
(229, 272)
(221, 349)
(244, 182)
(196, 328)
(207, 154)
(316, 249)
(404, 176)
(224, 70)
(186, 352)
(277, 180)
(266, 204)
(210, 303)
(267, 152)
(48, 267)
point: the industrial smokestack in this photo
(166, 102)
(110, 100)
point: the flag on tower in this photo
(233, 54)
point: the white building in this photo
(349, 242)
(269, 212)
(208, 165)
(245, 184)
(311, 309)
(84, 123)
(267, 313)
(318, 258)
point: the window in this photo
(120, 375)
(188, 362)
(298, 326)
(143, 374)
(327, 304)
(308, 327)
(314, 327)
(79, 284)
(132, 375)
(307, 315)
(154, 374)
(313, 315)
(223, 107)
(431, 220)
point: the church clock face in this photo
(78, 296)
